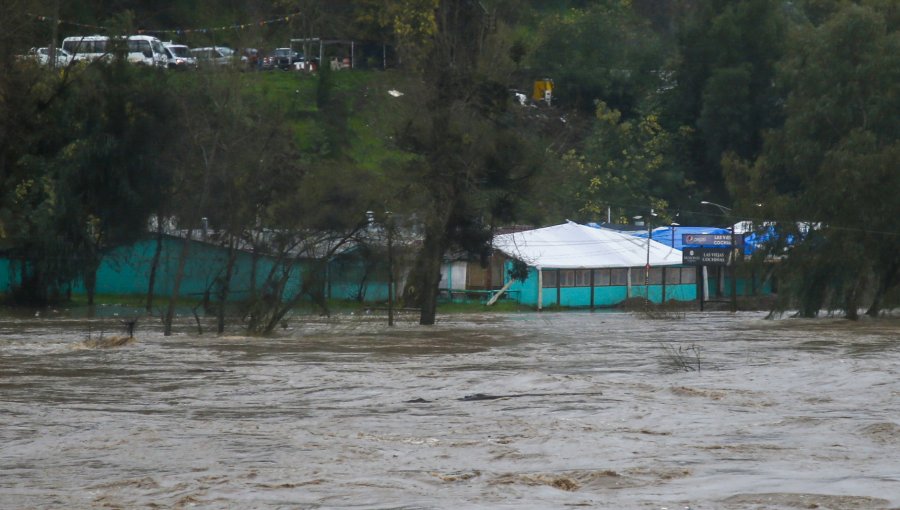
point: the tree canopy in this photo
(655, 104)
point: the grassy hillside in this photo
(362, 136)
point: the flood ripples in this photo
(605, 410)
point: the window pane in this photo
(549, 276)
(673, 275)
(688, 275)
(637, 275)
(601, 277)
(655, 276)
(583, 278)
(567, 278)
(618, 276)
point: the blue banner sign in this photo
(711, 240)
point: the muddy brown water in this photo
(552, 410)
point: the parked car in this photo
(180, 56)
(214, 55)
(42, 56)
(282, 58)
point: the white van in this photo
(139, 49)
(180, 56)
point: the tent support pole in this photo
(706, 283)
(592, 290)
(664, 285)
(540, 303)
(558, 291)
(628, 283)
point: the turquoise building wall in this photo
(351, 278)
(604, 296)
(126, 270)
(744, 286)
(5, 277)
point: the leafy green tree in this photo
(469, 157)
(723, 82)
(409, 24)
(603, 52)
(628, 165)
(83, 178)
(833, 165)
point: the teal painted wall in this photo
(350, 278)
(126, 270)
(5, 277)
(744, 286)
(527, 293)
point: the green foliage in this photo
(470, 158)
(85, 177)
(795, 102)
(602, 52)
(628, 165)
(834, 162)
(723, 82)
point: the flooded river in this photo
(552, 410)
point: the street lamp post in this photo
(726, 211)
(672, 227)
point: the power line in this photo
(179, 31)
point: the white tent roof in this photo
(571, 245)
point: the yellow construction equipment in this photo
(543, 91)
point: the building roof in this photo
(571, 246)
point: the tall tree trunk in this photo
(176, 286)
(888, 279)
(430, 266)
(253, 270)
(851, 300)
(226, 287)
(151, 284)
(90, 283)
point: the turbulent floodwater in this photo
(552, 410)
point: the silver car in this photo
(214, 55)
(42, 56)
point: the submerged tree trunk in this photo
(253, 265)
(429, 265)
(851, 300)
(90, 283)
(176, 286)
(226, 287)
(151, 284)
(888, 279)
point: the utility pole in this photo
(51, 51)
(647, 266)
(390, 249)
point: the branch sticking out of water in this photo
(683, 358)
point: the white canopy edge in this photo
(574, 246)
